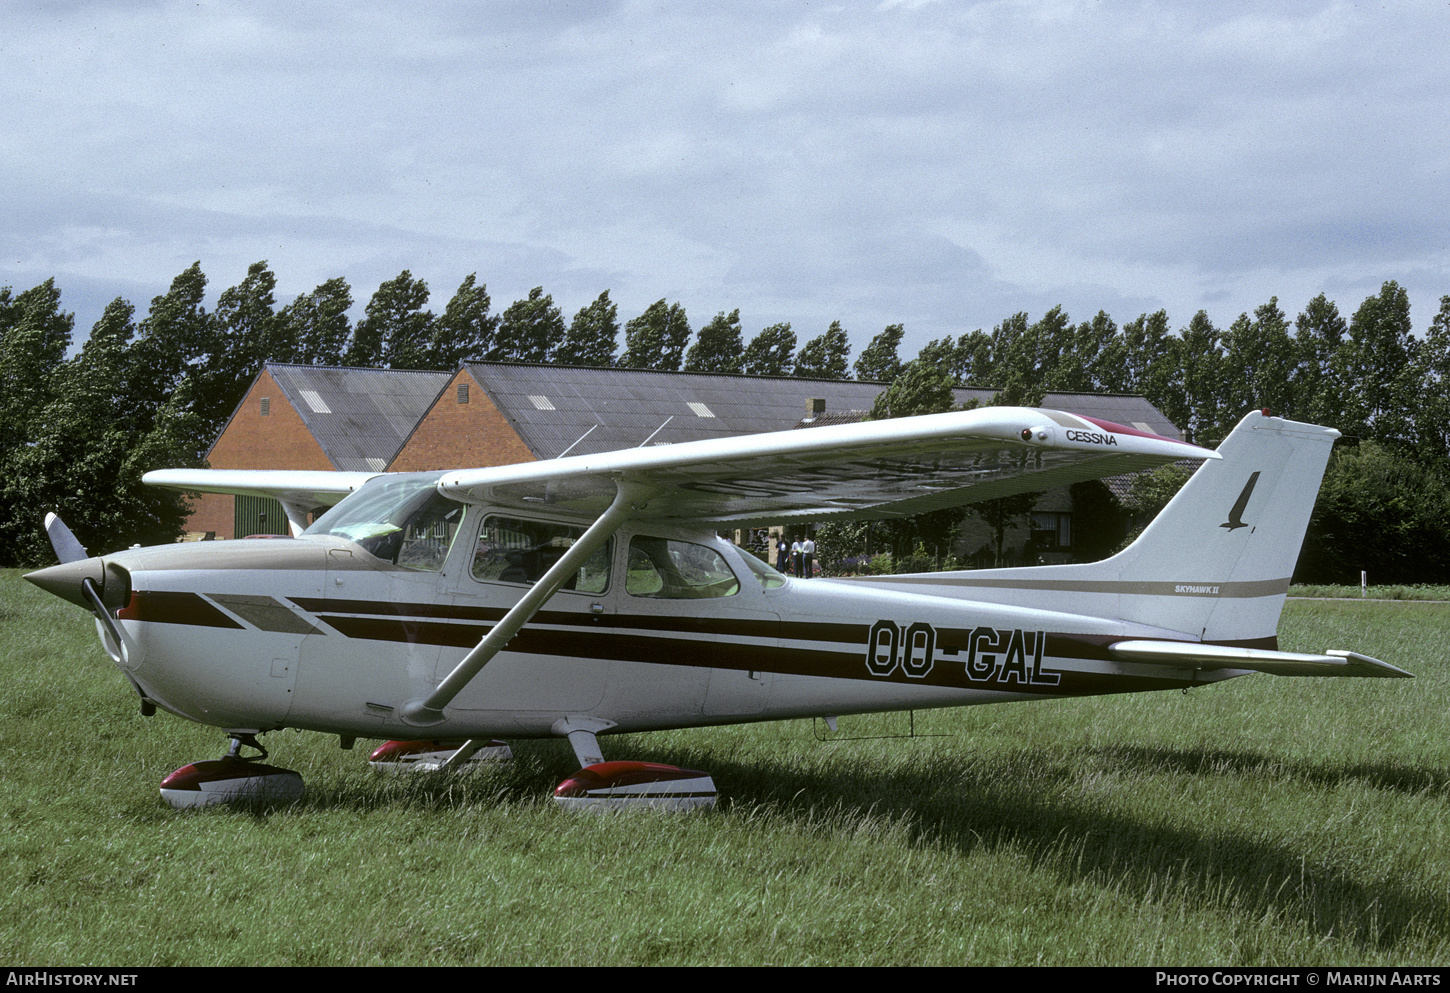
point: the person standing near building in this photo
(808, 558)
(795, 558)
(782, 555)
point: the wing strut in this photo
(297, 513)
(629, 498)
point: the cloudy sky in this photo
(937, 164)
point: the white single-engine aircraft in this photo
(590, 595)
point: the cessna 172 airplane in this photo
(591, 594)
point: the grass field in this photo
(1418, 592)
(1263, 821)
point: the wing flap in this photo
(1183, 654)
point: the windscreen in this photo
(401, 519)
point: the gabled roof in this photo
(585, 410)
(360, 417)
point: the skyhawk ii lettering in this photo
(592, 595)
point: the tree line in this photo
(76, 434)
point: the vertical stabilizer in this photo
(1216, 562)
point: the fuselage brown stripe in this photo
(799, 657)
(806, 648)
(174, 608)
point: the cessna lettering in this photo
(1090, 437)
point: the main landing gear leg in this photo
(601, 785)
(232, 779)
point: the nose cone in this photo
(64, 580)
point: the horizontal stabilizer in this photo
(1185, 654)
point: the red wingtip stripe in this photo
(1123, 429)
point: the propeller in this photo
(67, 548)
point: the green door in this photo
(258, 515)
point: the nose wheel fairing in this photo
(232, 779)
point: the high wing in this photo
(876, 469)
(299, 491)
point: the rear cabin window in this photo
(677, 570)
(518, 551)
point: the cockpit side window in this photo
(510, 550)
(427, 535)
(677, 570)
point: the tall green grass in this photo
(1392, 592)
(1263, 821)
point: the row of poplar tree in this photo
(77, 433)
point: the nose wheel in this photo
(233, 778)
